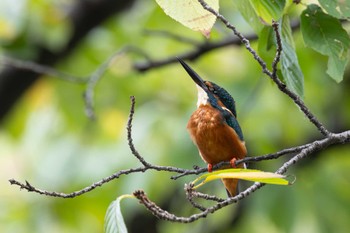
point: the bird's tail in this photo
(231, 185)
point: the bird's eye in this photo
(213, 90)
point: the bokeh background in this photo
(46, 138)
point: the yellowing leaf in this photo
(191, 14)
(244, 174)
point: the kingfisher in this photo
(214, 128)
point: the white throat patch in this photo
(202, 97)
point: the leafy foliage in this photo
(291, 70)
(269, 10)
(321, 32)
(326, 35)
(338, 9)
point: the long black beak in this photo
(195, 77)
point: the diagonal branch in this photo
(281, 86)
(30, 188)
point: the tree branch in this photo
(245, 160)
(311, 148)
(281, 86)
(277, 58)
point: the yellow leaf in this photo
(191, 14)
(244, 174)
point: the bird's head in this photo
(210, 93)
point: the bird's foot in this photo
(233, 163)
(210, 167)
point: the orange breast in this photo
(216, 141)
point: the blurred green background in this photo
(47, 139)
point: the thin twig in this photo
(41, 69)
(93, 80)
(207, 196)
(129, 135)
(30, 188)
(189, 195)
(277, 58)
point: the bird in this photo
(214, 128)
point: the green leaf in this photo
(290, 68)
(325, 34)
(244, 174)
(114, 221)
(336, 8)
(247, 11)
(269, 10)
(267, 45)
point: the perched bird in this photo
(214, 128)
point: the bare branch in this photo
(130, 140)
(189, 195)
(146, 166)
(245, 160)
(27, 186)
(165, 215)
(311, 148)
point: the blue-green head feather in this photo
(214, 94)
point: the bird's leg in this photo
(210, 167)
(233, 162)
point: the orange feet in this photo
(233, 162)
(210, 167)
